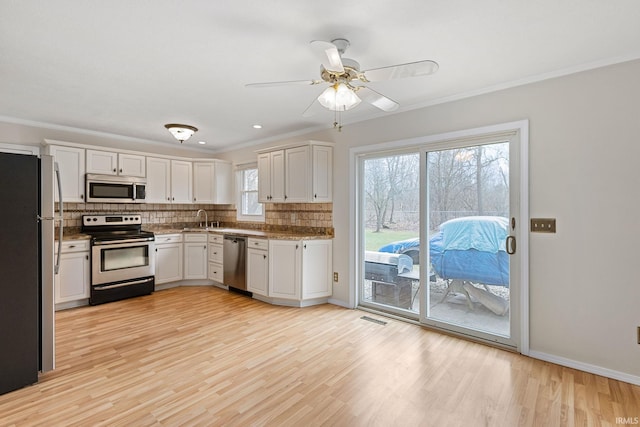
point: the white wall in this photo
(584, 160)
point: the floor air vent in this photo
(371, 319)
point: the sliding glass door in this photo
(438, 229)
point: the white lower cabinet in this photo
(216, 255)
(73, 279)
(168, 258)
(195, 256)
(258, 266)
(300, 270)
(317, 261)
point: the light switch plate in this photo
(543, 225)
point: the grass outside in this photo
(374, 240)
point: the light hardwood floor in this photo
(203, 356)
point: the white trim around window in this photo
(247, 206)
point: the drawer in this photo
(195, 237)
(215, 272)
(258, 244)
(74, 246)
(216, 238)
(168, 238)
(215, 253)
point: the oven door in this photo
(120, 260)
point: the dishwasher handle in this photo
(235, 239)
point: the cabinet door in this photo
(297, 175)
(72, 281)
(322, 182)
(102, 162)
(181, 181)
(264, 177)
(131, 165)
(168, 262)
(195, 260)
(277, 177)
(223, 193)
(317, 260)
(203, 182)
(284, 268)
(72, 170)
(257, 272)
(158, 180)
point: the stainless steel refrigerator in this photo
(27, 268)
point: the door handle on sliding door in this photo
(511, 245)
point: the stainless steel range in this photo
(122, 257)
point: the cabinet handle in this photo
(86, 256)
(205, 246)
(173, 198)
(156, 249)
(114, 170)
(305, 246)
(285, 197)
(297, 246)
(72, 246)
(215, 253)
(82, 196)
(194, 199)
(169, 198)
(120, 170)
(264, 256)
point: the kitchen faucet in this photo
(206, 217)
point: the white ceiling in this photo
(127, 67)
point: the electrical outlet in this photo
(335, 279)
(543, 225)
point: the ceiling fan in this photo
(346, 82)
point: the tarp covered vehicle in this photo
(468, 248)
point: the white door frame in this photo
(519, 128)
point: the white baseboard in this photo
(339, 303)
(586, 367)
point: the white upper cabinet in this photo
(71, 163)
(322, 180)
(296, 174)
(181, 181)
(212, 182)
(110, 163)
(271, 177)
(168, 181)
(158, 180)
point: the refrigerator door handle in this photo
(56, 268)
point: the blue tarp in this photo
(473, 249)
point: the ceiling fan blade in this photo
(400, 71)
(376, 99)
(286, 83)
(328, 55)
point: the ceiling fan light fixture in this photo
(338, 97)
(181, 132)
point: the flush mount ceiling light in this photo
(181, 132)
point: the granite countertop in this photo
(280, 235)
(160, 230)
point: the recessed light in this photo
(257, 126)
(201, 142)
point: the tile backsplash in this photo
(316, 218)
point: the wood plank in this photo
(203, 356)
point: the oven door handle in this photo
(120, 285)
(124, 241)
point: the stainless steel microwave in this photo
(115, 189)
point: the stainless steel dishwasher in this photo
(235, 259)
